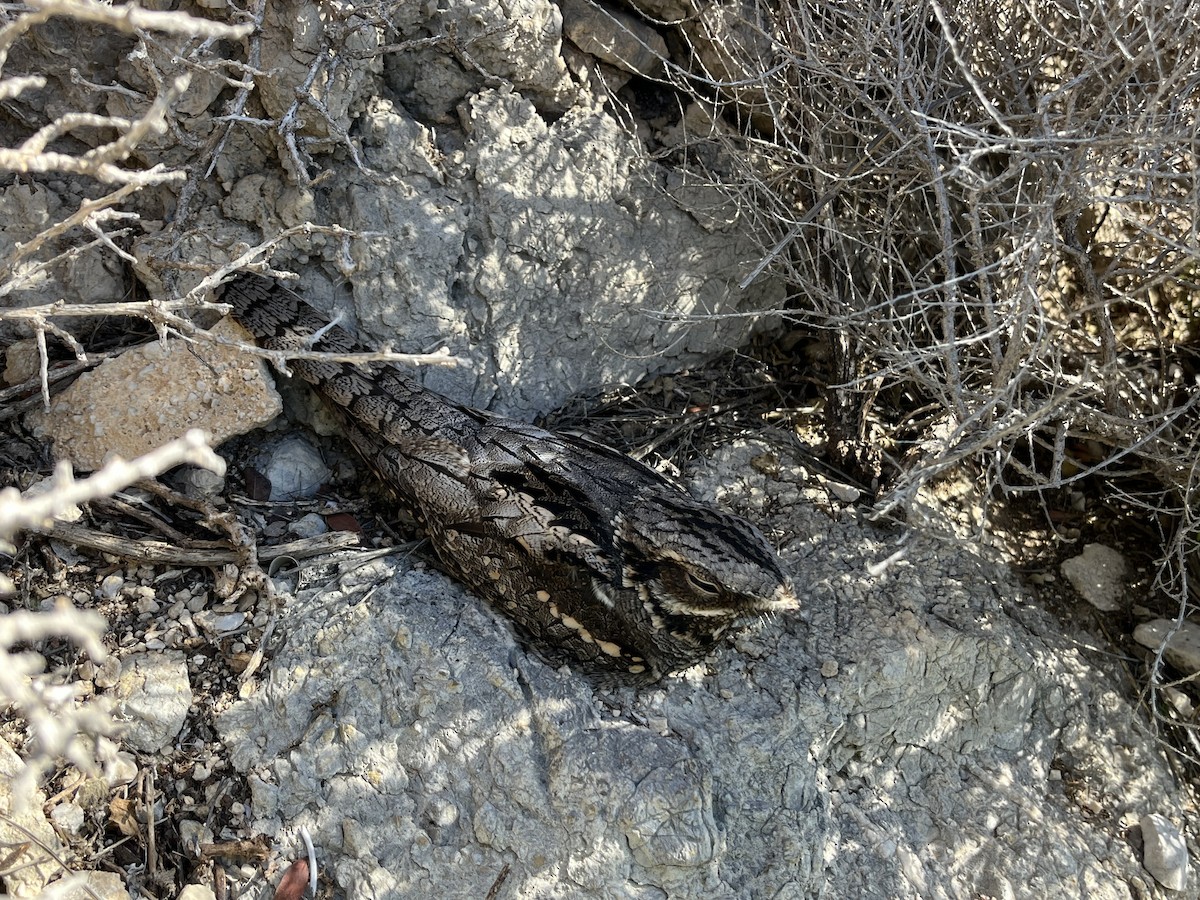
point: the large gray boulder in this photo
(917, 732)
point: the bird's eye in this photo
(704, 587)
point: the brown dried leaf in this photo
(123, 814)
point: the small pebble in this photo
(844, 492)
(68, 817)
(219, 623)
(309, 526)
(1165, 854)
(1098, 575)
(108, 673)
(1182, 642)
(121, 770)
(147, 605)
(110, 587)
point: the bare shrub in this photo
(58, 723)
(992, 212)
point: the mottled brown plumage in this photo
(600, 561)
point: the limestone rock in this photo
(1183, 643)
(540, 257)
(27, 867)
(153, 696)
(295, 469)
(1098, 575)
(92, 886)
(403, 725)
(614, 37)
(154, 393)
(1165, 853)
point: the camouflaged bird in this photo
(600, 561)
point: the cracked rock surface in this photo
(907, 736)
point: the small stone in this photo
(121, 770)
(1183, 645)
(22, 361)
(147, 605)
(135, 402)
(70, 513)
(198, 482)
(97, 886)
(193, 834)
(197, 892)
(1098, 574)
(200, 772)
(110, 587)
(295, 470)
(1165, 853)
(154, 696)
(68, 817)
(309, 526)
(829, 668)
(844, 492)
(1180, 701)
(107, 673)
(219, 623)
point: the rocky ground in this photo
(956, 711)
(923, 728)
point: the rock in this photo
(24, 832)
(291, 47)
(68, 816)
(154, 393)
(440, 265)
(295, 469)
(519, 42)
(22, 361)
(1183, 644)
(197, 482)
(614, 37)
(192, 834)
(70, 513)
(197, 892)
(1098, 575)
(153, 697)
(110, 587)
(121, 769)
(404, 726)
(1165, 853)
(309, 526)
(92, 886)
(90, 274)
(217, 624)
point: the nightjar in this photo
(600, 562)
